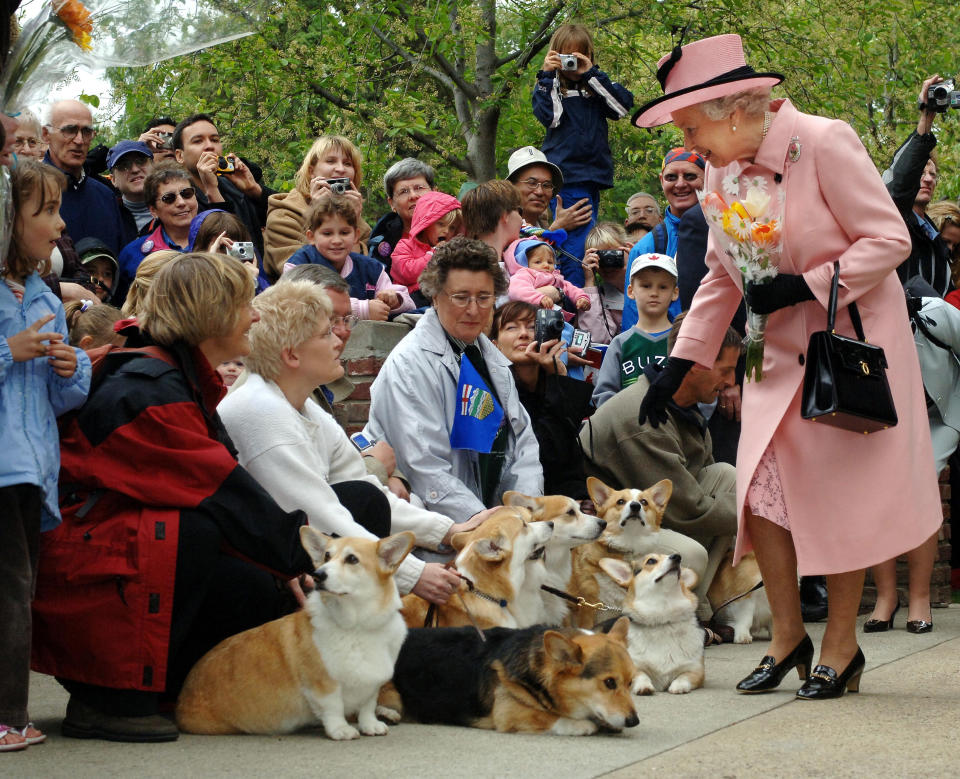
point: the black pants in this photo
(20, 508)
(216, 596)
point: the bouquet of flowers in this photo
(747, 220)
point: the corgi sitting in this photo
(496, 559)
(566, 682)
(633, 520)
(748, 615)
(321, 664)
(665, 640)
(571, 528)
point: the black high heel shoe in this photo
(919, 626)
(768, 675)
(824, 682)
(882, 625)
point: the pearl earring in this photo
(733, 127)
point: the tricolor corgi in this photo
(633, 520)
(748, 615)
(322, 664)
(571, 528)
(665, 640)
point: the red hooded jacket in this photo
(411, 255)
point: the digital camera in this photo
(167, 141)
(568, 62)
(242, 250)
(225, 165)
(548, 325)
(942, 96)
(339, 186)
(610, 258)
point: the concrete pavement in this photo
(903, 723)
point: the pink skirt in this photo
(765, 494)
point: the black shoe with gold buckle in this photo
(825, 683)
(768, 675)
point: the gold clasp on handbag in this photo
(865, 368)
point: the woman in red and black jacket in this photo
(167, 545)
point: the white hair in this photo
(753, 102)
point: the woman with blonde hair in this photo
(142, 282)
(331, 157)
(945, 215)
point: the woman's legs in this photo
(885, 577)
(920, 564)
(839, 643)
(773, 546)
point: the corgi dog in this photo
(566, 682)
(665, 640)
(496, 558)
(321, 664)
(748, 615)
(571, 528)
(633, 520)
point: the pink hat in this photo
(700, 71)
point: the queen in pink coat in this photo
(812, 498)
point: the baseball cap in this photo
(654, 260)
(90, 249)
(127, 147)
(531, 155)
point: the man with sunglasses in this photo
(681, 178)
(89, 207)
(130, 162)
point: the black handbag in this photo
(845, 381)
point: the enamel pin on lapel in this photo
(793, 150)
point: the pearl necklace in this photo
(767, 118)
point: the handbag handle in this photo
(851, 307)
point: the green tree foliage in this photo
(450, 81)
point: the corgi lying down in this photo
(321, 664)
(536, 680)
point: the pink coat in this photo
(852, 500)
(524, 284)
(411, 255)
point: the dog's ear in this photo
(492, 549)
(618, 570)
(514, 498)
(459, 540)
(620, 630)
(598, 491)
(660, 493)
(689, 577)
(561, 649)
(315, 543)
(392, 550)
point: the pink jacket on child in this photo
(411, 255)
(524, 284)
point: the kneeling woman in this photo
(299, 453)
(135, 585)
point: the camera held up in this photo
(942, 96)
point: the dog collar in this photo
(501, 602)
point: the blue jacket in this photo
(644, 246)
(32, 396)
(362, 279)
(89, 208)
(577, 124)
(132, 255)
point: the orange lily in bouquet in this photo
(749, 229)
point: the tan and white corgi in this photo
(633, 520)
(566, 682)
(321, 664)
(665, 640)
(496, 558)
(749, 615)
(571, 528)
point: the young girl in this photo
(332, 232)
(436, 217)
(574, 105)
(91, 325)
(41, 376)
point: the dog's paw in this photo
(642, 685)
(680, 686)
(373, 728)
(573, 727)
(742, 637)
(343, 732)
(388, 715)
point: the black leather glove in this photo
(784, 289)
(661, 390)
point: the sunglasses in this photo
(171, 197)
(69, 131)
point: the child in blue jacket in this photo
(574, 105)
(41, 376)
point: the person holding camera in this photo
(219, 232)
(159, 138)
(911, 181)
(603, 263)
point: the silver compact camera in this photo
(242, 250)
(568, 62)
(339, 186)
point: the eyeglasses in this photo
(349, 321)
(126, 162)
(417, 190)
(642, 210)
(688, 177)
(171, 197)
(532, 183)
(327, 334)
(30, 143)
(464, 299)
(69, 131)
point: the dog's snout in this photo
(602, 524)
(635, 507)
(675, 558)
(319, 577)
(632, 721)
(550, 524)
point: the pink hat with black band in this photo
(700, 71)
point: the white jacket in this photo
(939, 367)
(297, 456)
(413, 401)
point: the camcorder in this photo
(568, 62)
(339, 186)
(942, 96)
(225, 165)
(610, 258)
(548, 325)
(243, 251)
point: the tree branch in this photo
(452, 73)
(415, 61)
(538, 39)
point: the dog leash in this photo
(735, 598)
(579, 600)
(431, 619)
